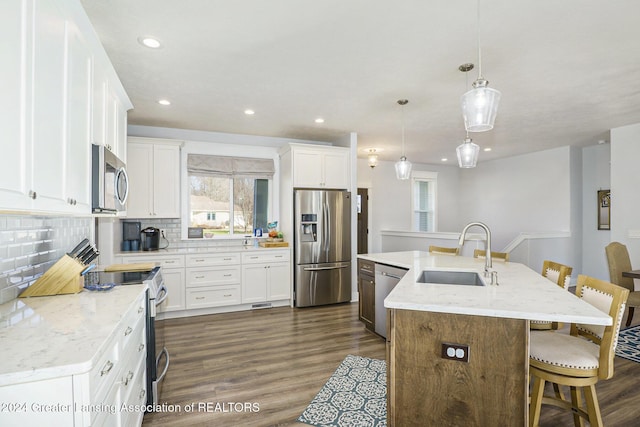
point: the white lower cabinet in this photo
(265, 276)
(93, 398)
(213, 280)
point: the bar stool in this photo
(579, 359)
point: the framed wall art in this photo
(604, 209)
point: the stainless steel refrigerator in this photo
(322, 247)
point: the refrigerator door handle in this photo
(324, 268)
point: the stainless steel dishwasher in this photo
(387, 278)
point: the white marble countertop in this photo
(521, 294)
(61, 335)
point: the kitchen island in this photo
(458, 354)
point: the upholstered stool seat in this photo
(561, 352)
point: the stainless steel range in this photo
(157, 354)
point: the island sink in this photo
(469, 278)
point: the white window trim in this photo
(432, 177)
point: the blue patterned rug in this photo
(629, 344)
(354, 396)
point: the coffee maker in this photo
(130, 236)
(150, 239)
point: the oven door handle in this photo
(164, 292)
(166, 366)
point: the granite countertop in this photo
(521, 294)
(61, 335)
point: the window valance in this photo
(235, 167)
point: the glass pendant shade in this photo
(467, 154)
(372, 160)
(403, 168)
(479, 107)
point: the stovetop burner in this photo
(118, 278)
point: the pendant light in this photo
(403, 166)
(480, 104)
(372, 158)
(467, 151)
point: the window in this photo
(228, 195)
(424, 201)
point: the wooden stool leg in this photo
(556, 389)
(576, 402)
(593, 408)
(537, 390)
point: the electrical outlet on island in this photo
(163, 233)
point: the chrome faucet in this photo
(487, 263)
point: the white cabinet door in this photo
(99, 107)
(174, 281)
(336, 169)
(279, 281)
(154, 180)
(254, 283)
(48, 108)
(78, 132)
(13, 87)
(166, 181)
(140, 170)
(307, 169)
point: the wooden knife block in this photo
(63, 277)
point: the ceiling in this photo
(568, 70)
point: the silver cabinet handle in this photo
(198, 260)
(227, 259)
(107, 368)
(228, 275)
(199, 297)
(140, 347)
(169, 262)
(128, 331)
(199, 277)
(142, 393)
(140, 310)
(228, 295)
(128, 378)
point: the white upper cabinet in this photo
(13, 110)
(50, 56)
(320, 167)
(154, 178)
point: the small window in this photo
(424, 201)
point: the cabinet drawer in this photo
(366, 267)
(213, 276)
(207, 260)
(213, 297)
(132, 326)
(104, 373)
(134, 394)
(269, 255)
(164, 261)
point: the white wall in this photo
(625, 189)
(526, 193)
(596, 175)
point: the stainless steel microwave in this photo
(109, 181)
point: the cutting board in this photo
(146, 266)
(274, 244)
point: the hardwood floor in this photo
(276, 360)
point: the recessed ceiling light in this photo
(319, 120)
(149, 42)
(487, 149)
(249, 112)
(164, 102)
(444, 159)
